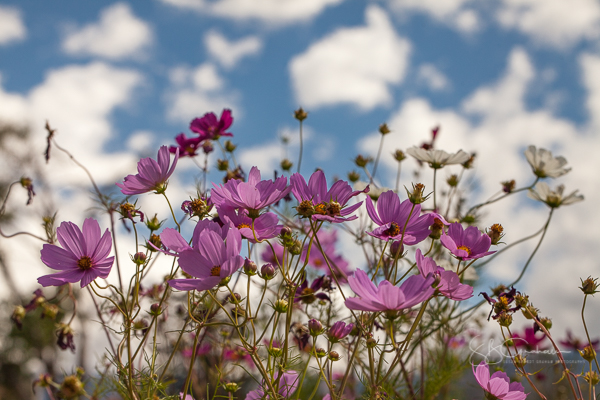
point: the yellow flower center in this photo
(321, 208)
(84, 263)
(393, 230)
(240, 226)
(465, 248)
(215, 271)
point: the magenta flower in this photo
(574, 343)
(208, 127)
(529, 341)
(466, 244)
(449, 285)
(321, 204)
(265, 226)
(338, 331)
(308, 294)
(391, 216)
(286, 387)
(175, 243)
(211, 262)
(498, 385)
(83, 256)
(152, 175)
(186, 146)
(253, 195)
(386, 297)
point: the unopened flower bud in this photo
(250, 267)
(399, 156)
(452, 181)
(296, 248)
(589, 285)
(371, 343)
(519, 361)
(547, 322)
(499, 290)
(222, 165)
(71, 387)
(508, 186)
(275, 351)
(285, 232)
(509, 342)
(231, 387)
(155, 309)
(44, 380)
(18, 315)
(361, 161)
(235, 299)
(154, 242)
(207, 147)
(588, 353)
(436, 228)
(286, 164)
(139, 258)
(353, 176)
(280, 305)
(225, 281)
(300, 114)
(315, 327)
(469, 163)
(591, 377)
(495, 233)
(334, 356)
(383, 129)
(320, 352)
(50, 311)
(469, 219)
(416, 195)
(529, 311)
(229, 146)
(505, 319)
(267, 271)
(154, 223)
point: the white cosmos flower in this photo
(553, 198)
(438, 158)
(544, 165)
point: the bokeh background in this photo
(118, 79)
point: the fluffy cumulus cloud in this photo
(355, 66)
(12, 28)
(229, 53)
(433, 78)
(196, 91)
(454, 13)
(273, 12)
(552, 22)
(496, 122)
(117, 35)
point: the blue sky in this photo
(118, 79)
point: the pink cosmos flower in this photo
(574, 343)
(529, 341)
(391, 216)
(186, 146)
(498, 385)
(328, 240)
(83, 256)
(253, 195)
(466, 244)
(287, 385)
(386, 297)
(174, 242)
(208, 127)
(321, 204)
(338, 331)
(449, 285)
(152, 175)
(265, 226)
(211, 262)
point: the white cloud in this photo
(117, 35)
(449, 12)
(590, 65)
(503, 127)
(12, 28)
(352, 65)
(229, 53)
(432, 77)
(274, 12)
(196, 91)
(552, 22)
